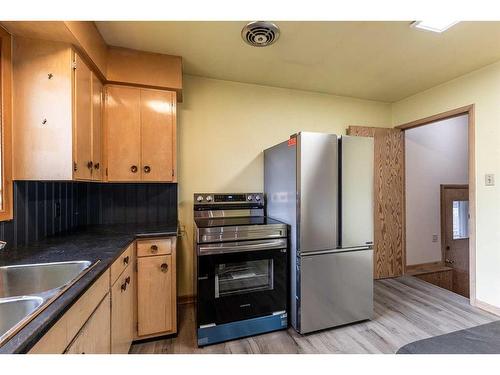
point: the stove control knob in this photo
(257, 198)
(249, 198)
(209, 198)
(199, 198)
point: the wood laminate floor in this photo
(406, 309)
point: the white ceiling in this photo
(385, 61)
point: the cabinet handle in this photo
(90, 165)
(164, 267)
(147, 169)
(126, 260)
(97, 165)
(123, 287)
(154, 248)
(127, 280)
(133, 169)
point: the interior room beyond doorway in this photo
(437, 202)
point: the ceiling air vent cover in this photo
(260, 33)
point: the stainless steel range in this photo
(242, 263)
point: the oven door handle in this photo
(235, 247)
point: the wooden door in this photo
(155, 307)
(94, 337)
(82, 121)
(455, 234)
(388, 254)
(157, 135)
(97, 108)
(122, 312)
(123, 133)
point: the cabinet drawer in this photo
(121, 263)
(94, 337)
(161, 246)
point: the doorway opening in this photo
(439, 200)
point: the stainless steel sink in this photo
(14, 310)
(25, 290)
(28, 279)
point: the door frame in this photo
(465, 110)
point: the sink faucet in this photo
(2, 245)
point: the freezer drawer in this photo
(336, 288)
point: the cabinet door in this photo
(97, 106)
(155, 307)
(123, 133)
(82, 133)
(122, 312)
(43, 108)
(158, 135)
(94, 337)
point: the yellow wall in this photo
(481, 88)
(223, 128)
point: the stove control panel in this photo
(228, 198)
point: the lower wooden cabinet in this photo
(122, 312)
(95, 335)
(156, 289)
(132, 300)
(154, 296)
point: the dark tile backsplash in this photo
(43, 209)
(128, 203)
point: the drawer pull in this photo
(133, 169)
(164, 267)
(147, 169)
(124, 287)
(127, 280)
(154, 248)
(90, 165)
(126, 260)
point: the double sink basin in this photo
(25, 290)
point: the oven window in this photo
(243, 277)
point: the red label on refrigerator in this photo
(292, 142)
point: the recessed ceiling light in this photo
(438, 26)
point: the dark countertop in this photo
(103, 242)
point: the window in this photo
(243, 277)
(5, 125)
(460, 220)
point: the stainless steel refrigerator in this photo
(322, 186)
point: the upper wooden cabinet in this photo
(140, 140)
(58, 118)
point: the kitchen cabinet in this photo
(57, 339)
(58, 120)
(97, 125)
(122, 312)
(140, 140)
(156, 289)
(94, 337)
(132, 300)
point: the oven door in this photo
(238, 285)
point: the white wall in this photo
(481, 88)
(224, 126)
(435, 154)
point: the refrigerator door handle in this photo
(334, 251)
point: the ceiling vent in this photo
(260, 33)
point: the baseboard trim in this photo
(486, 307)
(186, 300)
